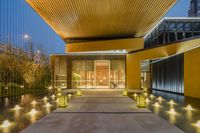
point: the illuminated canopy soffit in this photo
(101, 18)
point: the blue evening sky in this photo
(26, 21)
(180, 9)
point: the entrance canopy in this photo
(77, 20)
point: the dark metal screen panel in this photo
(168, 74)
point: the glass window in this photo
(180, 26)
(98, 74)
(196, 26)
(188, 26)
(60, 72)
(172, 26)
(83, 74)
(117, 74)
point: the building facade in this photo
(84, 71)
(170, 30)
(194, 10)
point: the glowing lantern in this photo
(62, 102)
(69, 96)
(135, 95)
(79, 93)
(141, 101)
(6, 124)
(151, 96)
(125, 93)
(145, 94)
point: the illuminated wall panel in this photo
(167, 74)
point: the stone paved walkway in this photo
(102, 112)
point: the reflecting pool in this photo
(19, 112)
(184, 112)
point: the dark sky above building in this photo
(17, 18)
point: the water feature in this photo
(179, 110)
(20, 111)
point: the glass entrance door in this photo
(102, 73)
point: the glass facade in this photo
(173, 30)
(83, 75)
(60, 72)
(98, 72)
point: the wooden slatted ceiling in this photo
(101, 18)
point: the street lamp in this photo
(26, 36)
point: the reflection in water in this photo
(17, 115)
(172, 115)
(174, 108)
(172, 118)
(182, 112)
(6, 130)
(157, 108)
(6, 104)
(189, 115)
(24, 110)
(6, 126)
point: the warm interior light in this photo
(17, 107)
(171, 102)
(6, 124)
(189, 107)
(145, 94)
(151, 96)
(172, 111)
(33, 102)
(156, 104)
(47, 105)
(135, 95)
(33, 112)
